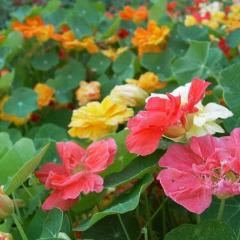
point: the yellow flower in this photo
(11, 118)
(148, 81)
(88, 92)
(190, 21)
(152, 39)
(114, 53)
(95, 120)
(129, 94)
(45, 94)
(233, 18)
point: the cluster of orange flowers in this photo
(35, 27)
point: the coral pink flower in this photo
(204, 167)
(147, 127)
(78, 174)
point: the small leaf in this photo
(99, 63)
(22, 102)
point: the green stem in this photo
(198, 218)
(221, 210)
(148, 215)
(123, 227)
(19, 227)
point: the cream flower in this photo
(128, 94)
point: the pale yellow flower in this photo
(95, 120)
(129, 94)
(114, 53)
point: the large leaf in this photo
(203, 231)
(230, 83)
(99, 63)
(159, 63)
(24, 172)
(125, 203)
(193, 63)
(22, 102)
(45, 61)
(137, 168)
(68, 77)
(17, 156)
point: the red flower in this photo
(160, 115)
(78, 174)
(122, 33)
(171, 6)
(224, 47)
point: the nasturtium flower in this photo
(96, 120)
(200, 122)
(128, 94)
(114, 53)
(151, 39)
(45, 94)
(68, 41)
(88, 91)
(169, 115)
(78, 174)
(137, 16)
(3, 72)
(206, 166)
(34, 27)
(232, 20)
(148, 82)
(11, 118)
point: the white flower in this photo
(129, 94)
(204, 121)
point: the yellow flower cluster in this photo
(232, 21)
(95, 120)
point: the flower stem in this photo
(221, 210)
(198, 218)
(19, 227)
(123, 227)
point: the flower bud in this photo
(6, 205)
(5, 236)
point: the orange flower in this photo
(152, 39)
(130, 14)
(45, 94)
(148, 81)
(88, 92)
(34, 27)
(68, 41)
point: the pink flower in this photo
(206, 166)
(161, 114)
(78, 174)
